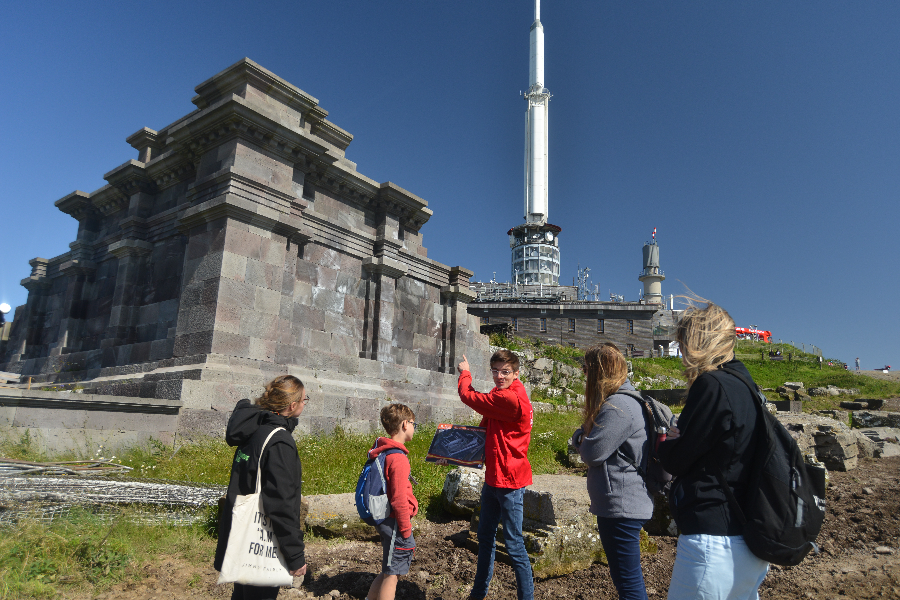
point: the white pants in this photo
(716, 567)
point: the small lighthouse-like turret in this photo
(652, 276)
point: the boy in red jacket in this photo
(506, 413)
(396, 531)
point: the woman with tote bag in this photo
(260, 537)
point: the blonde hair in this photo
(280, 392)
(605, 371)
(706, 338)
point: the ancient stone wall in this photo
(243, 244)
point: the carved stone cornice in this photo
(129, 247)
(77, 205)
(38, 278)
(146, 141)
(171, 169)
(77, 267)
(412, 210)
(236, 78)
(131, 178)
(460, 276)
(232, 195)
(382, 265)
(458, 293)
(108, 200)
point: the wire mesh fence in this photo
(50, 491)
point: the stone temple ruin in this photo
(240, 245)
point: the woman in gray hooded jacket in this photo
(614, 422)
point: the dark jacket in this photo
(717, 430)
(247, 429)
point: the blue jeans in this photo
(502, 506)
(621, 539)
(716, 567)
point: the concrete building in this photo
(555, 315)
(242, 244)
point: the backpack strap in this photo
(720, 475)
(644, 410)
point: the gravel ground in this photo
(862, 521)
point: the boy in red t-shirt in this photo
(507, 415)
(396, 531)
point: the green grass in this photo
(85, 552)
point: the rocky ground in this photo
(860, 542)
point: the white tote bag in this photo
(253, 556)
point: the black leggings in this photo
(253, 592)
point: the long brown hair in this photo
(280, 392)
(605, 371)
(706, 338)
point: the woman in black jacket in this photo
(715, 433)
(249, 426)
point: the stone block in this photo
(267, 301)
(258, 325)
(888, 450)
(234, 266)
(230, 344)
(662, 522)
(875, 418)
(560, 534)
(262, 349)
(866, 447)
(302, 293)
(327, 300)
(345, 345)
(309, 318)
(461, 494)
(335, 515)
(793, 406)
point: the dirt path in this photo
(863, 514)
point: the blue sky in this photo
(761, 139)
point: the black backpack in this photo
(785, 506)
(658, 417)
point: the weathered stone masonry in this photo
(240, 245)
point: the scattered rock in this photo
(661, 523)
(866, 446)
(883, 550)
(832, 442)
(793, 385)
(462, 490)
(887, 450)
(875, 418)
(335, 515)
(573, 457)
(868, 491)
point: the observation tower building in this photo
(534, 244)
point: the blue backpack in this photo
(371, 490)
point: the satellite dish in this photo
(5, 308)
(549, 236)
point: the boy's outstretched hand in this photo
(464, 365)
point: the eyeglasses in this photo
(414, 424)
(305, 400)
(504, 372)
